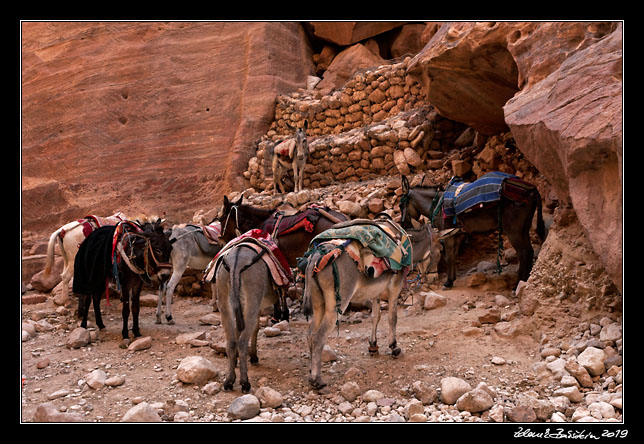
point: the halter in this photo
(147, 253)
(237, 232)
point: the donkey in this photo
(354, 286)
(240, 302)
(291, 153)
(143, 253)
(516, 220)
(190, 249)
(69, 238)
(238, 218)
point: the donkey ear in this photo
(306, 125)
(226, 203)
(405, 184)
(239, 201)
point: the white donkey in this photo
(69, 238)
(291, 153)
(354, 286)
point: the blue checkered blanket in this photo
(461, 196)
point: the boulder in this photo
(244, 407)
(345, 64)
(196, 370)
(452, 388)
(142, 412)
(347, 33)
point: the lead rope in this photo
(500, 249)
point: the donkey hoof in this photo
(170, 320)
(228, 386)
(254, 359)
(158, 321)
(317, 384)
(245, 387)
(395, 351)
(124, 343)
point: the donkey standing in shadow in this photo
(516, 220)
(292, 153)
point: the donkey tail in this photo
(307, 305)
(541, 229)
(235, 301)
(50, 251)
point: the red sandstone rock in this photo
(569, 125)
(347, 33)
(143, 116)
(345, 64)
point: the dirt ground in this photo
(432, 341)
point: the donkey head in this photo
(159, 242)
(301, 143)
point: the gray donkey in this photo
(240, 302)
(190, 248)
(291, 153)
(354, 286)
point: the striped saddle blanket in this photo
(461, 196)
(376, 246)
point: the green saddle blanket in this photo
(383, 236)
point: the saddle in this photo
(262, 243)
(305, 220)
(463, 196)
(206, 236)
(92, 222)
(375, 245)
(285, 148)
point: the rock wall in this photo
(143, 117)
(561, 98)
(376, 124)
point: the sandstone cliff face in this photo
(164, 117)
(558, 88)
(142, 117)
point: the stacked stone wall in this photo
(377, 124)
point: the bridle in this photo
(237, 232)
(148, 253)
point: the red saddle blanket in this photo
(92, 222)
(304, 220)
(273, 257)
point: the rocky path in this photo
(463, 360)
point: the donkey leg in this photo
(177, 273)
(231, 351)
(162, 288)
(136, 293)
(523, 247)
(96, 300)
(242, 346)
(393, 320)
(296, 177)
(125, 313)
(375, 319)
(449, 245)
(254, 359)
(84, 300)
(318, 339)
